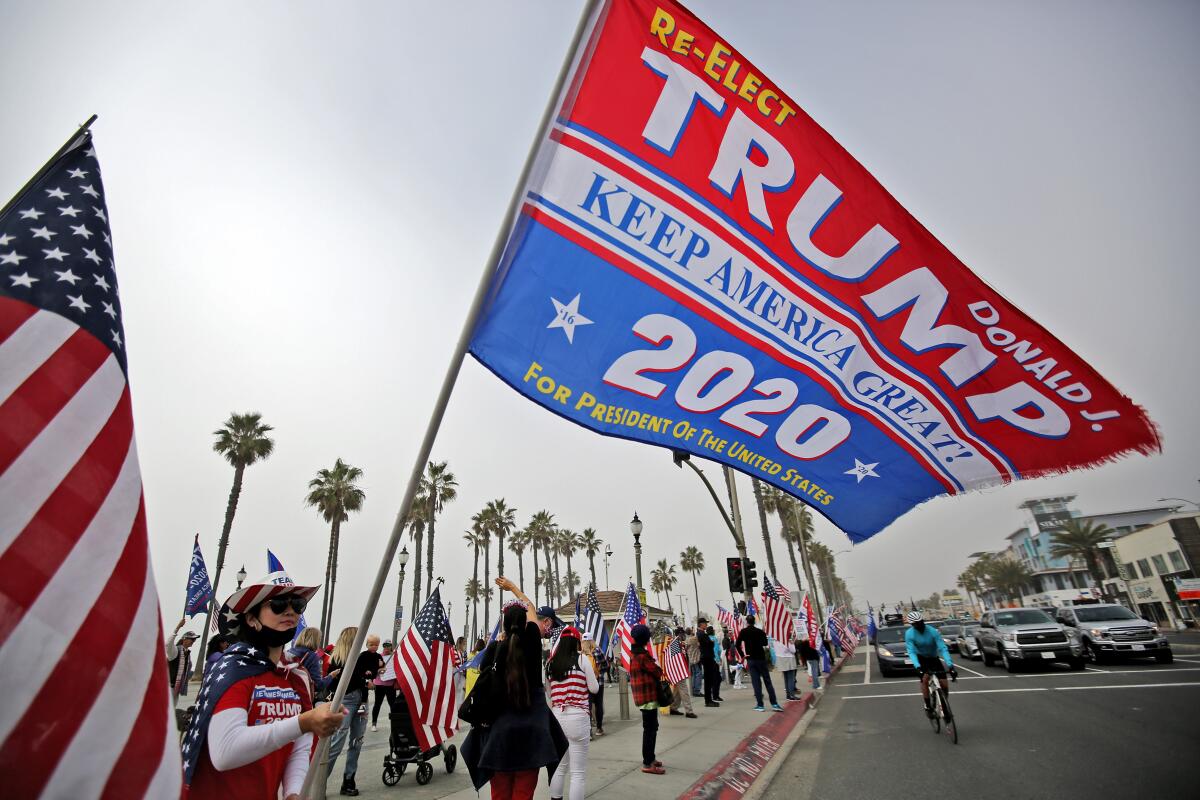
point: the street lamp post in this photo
(241, 576)
(635, 527)
(607, 556)
(399, 612)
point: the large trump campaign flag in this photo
(700, 266)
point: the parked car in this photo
(1018, 635)
(890, 654)
(950, 630)
(966, 644)
(1107, 629)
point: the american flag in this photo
(777, 621)
(631, 614)
(593, 621)
(74, 557)
(424, 666)
(676, 662)
(836, 632)
(776, 589)
(732, 623)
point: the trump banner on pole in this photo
(699, 265)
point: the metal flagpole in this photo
(37, 176)
(443, 399)
(741, 537)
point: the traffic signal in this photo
(733, 568)
(751, 576)
(741, 607)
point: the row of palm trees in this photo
(244, 440)
(1077, 540)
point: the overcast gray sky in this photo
(302, 195)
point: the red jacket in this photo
(644, 673)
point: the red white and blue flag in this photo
(700, 266)
(424, 669)
(777, 621)
(631, 614)
(731, 621)
(87, 710)
(810, 621)
(778, 588)
(676, 665)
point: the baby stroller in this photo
(405, 750)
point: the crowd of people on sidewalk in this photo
(536, 693)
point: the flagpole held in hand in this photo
(587, 15)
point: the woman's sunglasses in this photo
(279, 604)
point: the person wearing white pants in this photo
(571, 680)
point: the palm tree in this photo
(541, 529)
(759, 501)
(1081, 540)
(546, 579)
(969, 580)
(590, 544)
(517, 543)
(501, 522)
(568, 543)
(416, 527)
(334, 493)
(664, 574)
(243, 441)
(823, 557)
(438, 487)
(473, 591)
(556, 549)
(692, 560)
(778, 502)
(473, 538)
(1008, 577)
(571, 582)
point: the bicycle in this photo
(940, 705)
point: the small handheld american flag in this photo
(632, 614)
(677, 663)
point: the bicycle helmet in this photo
(914, 616)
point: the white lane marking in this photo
(1189, 660)
(973, 672)
(1093, 669)
(952, 694)
(1125, 686)
(1195, 684)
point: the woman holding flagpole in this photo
(252, 732)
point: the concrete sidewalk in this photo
(688, 748)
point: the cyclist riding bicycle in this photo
(926, 651)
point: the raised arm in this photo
(530, 609)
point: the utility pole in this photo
(741, 539)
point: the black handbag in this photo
(666, 695)
(485, 701)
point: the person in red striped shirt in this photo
(572, 680)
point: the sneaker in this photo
(759, 708)
(708, 704)
(676, 712)
(776, 707)
(690, 715)
(929, 712)
(374, 727)
(654, 770)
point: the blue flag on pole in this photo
(199, 589)
(871, 628)
(273, 566)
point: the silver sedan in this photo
(967, 645)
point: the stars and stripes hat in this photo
(256, 592)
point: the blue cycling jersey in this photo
(928, 643)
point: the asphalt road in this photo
(1129, 729)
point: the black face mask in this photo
(266, 638)
(919, 627)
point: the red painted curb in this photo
(733, 775)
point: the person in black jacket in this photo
(810, 658)
(708, 666)
(754, 644)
